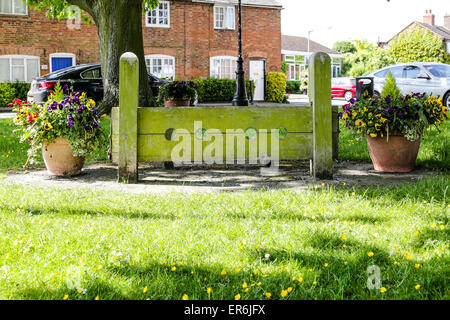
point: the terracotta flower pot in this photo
(398, 155)
(59, 159)
(177, 103)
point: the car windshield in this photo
(439, 71)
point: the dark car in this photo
(83, 78)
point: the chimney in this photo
(429, 17)
(447, 21)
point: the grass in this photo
(82, 244)
(113, 245)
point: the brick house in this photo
(429, 23)
(183, 39)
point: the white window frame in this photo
(226, 18)
(158, 25)
(24, 57)
(149, 65)
(293, 64)
(13, 8)
(62, 55)
(221, 58)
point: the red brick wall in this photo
(37, 35)
(191, 38)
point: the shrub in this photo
(390, 88)
(12, 90)
(176, 90)
(293, 87)
(217, 90)
(276, 87)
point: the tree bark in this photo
(119, 25)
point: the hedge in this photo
(276, 87)
(12, 90)
(217, 90)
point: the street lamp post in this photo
(240, 95)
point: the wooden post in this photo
(320, 97)
(128, 106)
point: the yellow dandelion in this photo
(237, 270)
(294, 278)
(408, 257)
(255, 272)
(97, 298)
(246, 290)
(258, 284)
(289, 290)
(145, 289)
(300, 279)
(370, 254)
(223, 272)
(417, 265)
(326, 265)
(344, 236)
(417, 287)
(442, 227)
(268, 295)
(315, 282)
(173, 268)
(66, 296)
(237, 297)
(245, 285)
(283, 293)
(383, 289)
(185, 297)
(209, 290)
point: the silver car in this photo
(418, 77)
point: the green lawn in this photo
(83, 244)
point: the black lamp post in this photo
(240, 96)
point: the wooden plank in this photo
(320, 96)
(128, 102)
(158, 120)
(156, 148)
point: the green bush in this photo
(12, 90)
(293, 87)
(217, 90)
(276, 87)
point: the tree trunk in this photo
(119, 25)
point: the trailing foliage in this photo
(419, 45)
(12, 90)
(217, 90)
(276, 87)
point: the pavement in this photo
(7, 115)
(154, 179)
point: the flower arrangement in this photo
(393, 113)
(177, 90)
(68, 115)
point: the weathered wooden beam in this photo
(128, 108)
(320, 97)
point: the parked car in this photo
(419, 77)
(343, 88)
(84, 78)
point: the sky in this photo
(372, 20)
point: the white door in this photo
(257, 75)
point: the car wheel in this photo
(446, 100)
(348, 95)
